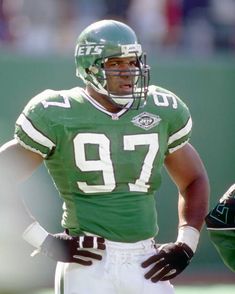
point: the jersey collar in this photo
(97, 105)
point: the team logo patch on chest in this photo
(146, 120)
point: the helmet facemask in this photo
(138, 78)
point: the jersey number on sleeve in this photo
(165, 100)
(105, 164)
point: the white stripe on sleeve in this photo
(181, 133)
(171, 150)
(33, 133)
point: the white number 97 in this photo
(104, 163)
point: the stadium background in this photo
(202, 76)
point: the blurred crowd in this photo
(198, 27)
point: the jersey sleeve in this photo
(224, 243)
(33, 128)
(177, 115)
(220, 223)
(180, 131)
(180, 123)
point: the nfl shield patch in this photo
(146, 120)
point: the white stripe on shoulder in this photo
(181, 133)
(33, 133)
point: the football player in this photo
(220, 223)
(105, 146)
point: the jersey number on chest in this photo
(105, 164)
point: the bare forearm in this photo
(17, 163)
(193, 203)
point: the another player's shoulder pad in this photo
(222, 216)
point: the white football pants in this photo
(119, 272)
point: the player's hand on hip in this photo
(65, 248)
(170, 261)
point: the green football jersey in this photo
(106, 167)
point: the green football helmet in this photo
(107, 39)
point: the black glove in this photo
(170, 261)
(65, 248)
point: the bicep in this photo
(185, 166)
(16, 162)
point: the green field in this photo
(215, 289)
